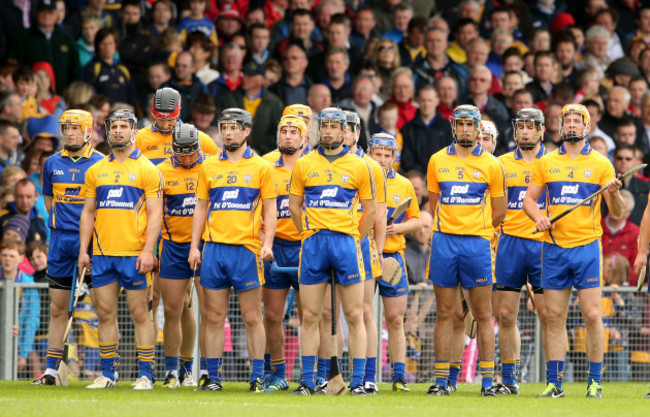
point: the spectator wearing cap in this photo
(621, 71)
(203, 111)
(43, 133)
(294, 84)
(10, 152)
(197, 21)
(46, 41)
(231, 60)
(201, 49)
(265, 107)
(16, 228)
(47, 100)
(229, 23)
(185, 81)
(25, 197)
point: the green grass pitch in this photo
(19, 399)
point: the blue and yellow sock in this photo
(399, 371)
(185, 364)
(107, 353)
(517, 368)
(358, 370)
(595, 372)
(54, 357)
(258, 369)
(172, 364)
(280, 367)
(371, 370)
(309, 370)
(145, 355)
(214, 369)
(487, 372)
(203, 366)
(441, 373)
(508, 371)
(322, 368)
(454, 372)
(547, 373)
(268, 369)
(555, 373)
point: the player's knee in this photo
(507, 318)
(214, 317)
(173, 311)
(354, 317)
(446, 313)
(272, 318)
(482, 314)
(395, 321)
(592, 317)
(58, 311)
(312, 318)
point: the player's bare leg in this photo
(173, 292)
(481, 307)
(394, 311)
(352, 301)
(311, 300)
(557, 308)
(595, 343)
(203, 312)
(509, 338)
(106, 308)
(324, 350)
(250, 304)
(216, 307)
(371, 336)
(457, 344)
(188, 328)
(446, 300)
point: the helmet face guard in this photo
(234, 117)
(354, 124)
(166, 105)
(585, 117)
(329, 118)
(79, 121)
(533, 121)
(382, 141)
(489, 129)
(288, 122)
(462, 113)
(185, 142)
(112, 137)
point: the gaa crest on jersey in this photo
(587, 173)
(247, 178)
(132, 176)
(476, 174)
(345, 179)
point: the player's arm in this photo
(644, 239)
(295, 210)
(146, 260)
(380, 227)
(531, 209)
(270, 217)
(499, 207)
(613, 197)
(433, 201)
(367, 217)
(198, 225)
(48, 203)
(46, 187)
(86, 224)
(408, 226)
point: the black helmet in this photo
(166, 105)
(528, 114)
(185, 141)
(240, 116)
(121, 114)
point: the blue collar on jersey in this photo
(248, 153)
(87, 153)
(584, 151)
(200, 160)
(478, 151)
(280, 161)
(345, 150)
(153, 125)
(134, 155)
(359, 152)
(391, 173)
(542, 152)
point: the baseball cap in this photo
(253, 68)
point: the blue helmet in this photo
(382, 140)
(466, 111)
(332, 114)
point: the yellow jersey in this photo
(285, 229)
(234, 192)
(179, 199)
(397, 189)
(158, 147)
(567, 182)
(331, 191)
(120, 190)
(463, 186)
(518, 176)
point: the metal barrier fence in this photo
(23, 339)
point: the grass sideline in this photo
(21, 400)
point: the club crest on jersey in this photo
(132, 176)
(397, 198)
(248, 178)
(345, 179)
(587, 173)
(476, 174)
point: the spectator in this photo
(294, 84)
(477, 54)
(402, 91)
(402, 14)
(107, 76)
(273, 72)
(621, 72)
(6, 71)
(596, 114)
(598, 144)
(229, 23)
(465, 31)
(638, 87)
(447, 90)
(500, 42)
(608, 18)
(274, 11)
(419, 182)
(45, 41)
(644, 64)
(203, 112)
(387, 59)
(196, 21)
(370, 69)
(412, 46)
(388, 124)
(542, 84)
(552, 139)
(479, 84)
(619, 233)
(162, 14)
(301, 28)
(11, 106)
(588, 85)
(597, 39)
(337, 36)
(318, 98)
(231, 61)
(12, 254)
(364, 27)
(10, 153)
(136, 43)
(281, 27)
(540, 41)
(95, 8)
(25, 83)
(25, 196)
(416, 253)
(426, 134)
(618, 100)
(48, 101)
(170, 44)
(437, 63)
(384, 15)
(43, 134)
(361, 103)
(337, 62)
(624, 159)
(565, 49)
(186, 82)
(512, 81)
(543, 12)
(513, 60)
(264, 106)
(258, 43)
(102, 105)
(625, 132)
(10, 177)
(37, 257)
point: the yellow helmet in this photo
(300, 110)
(586, 120)
(83, 119)
(289, 121)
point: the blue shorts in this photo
(328, 250)
(108, 269)
(370, 257)
(226, 266)
(579, 267)
(402, 287)
(173, 261)
(62, 254)
(287, 254)
(460, 259)
(518, 259)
